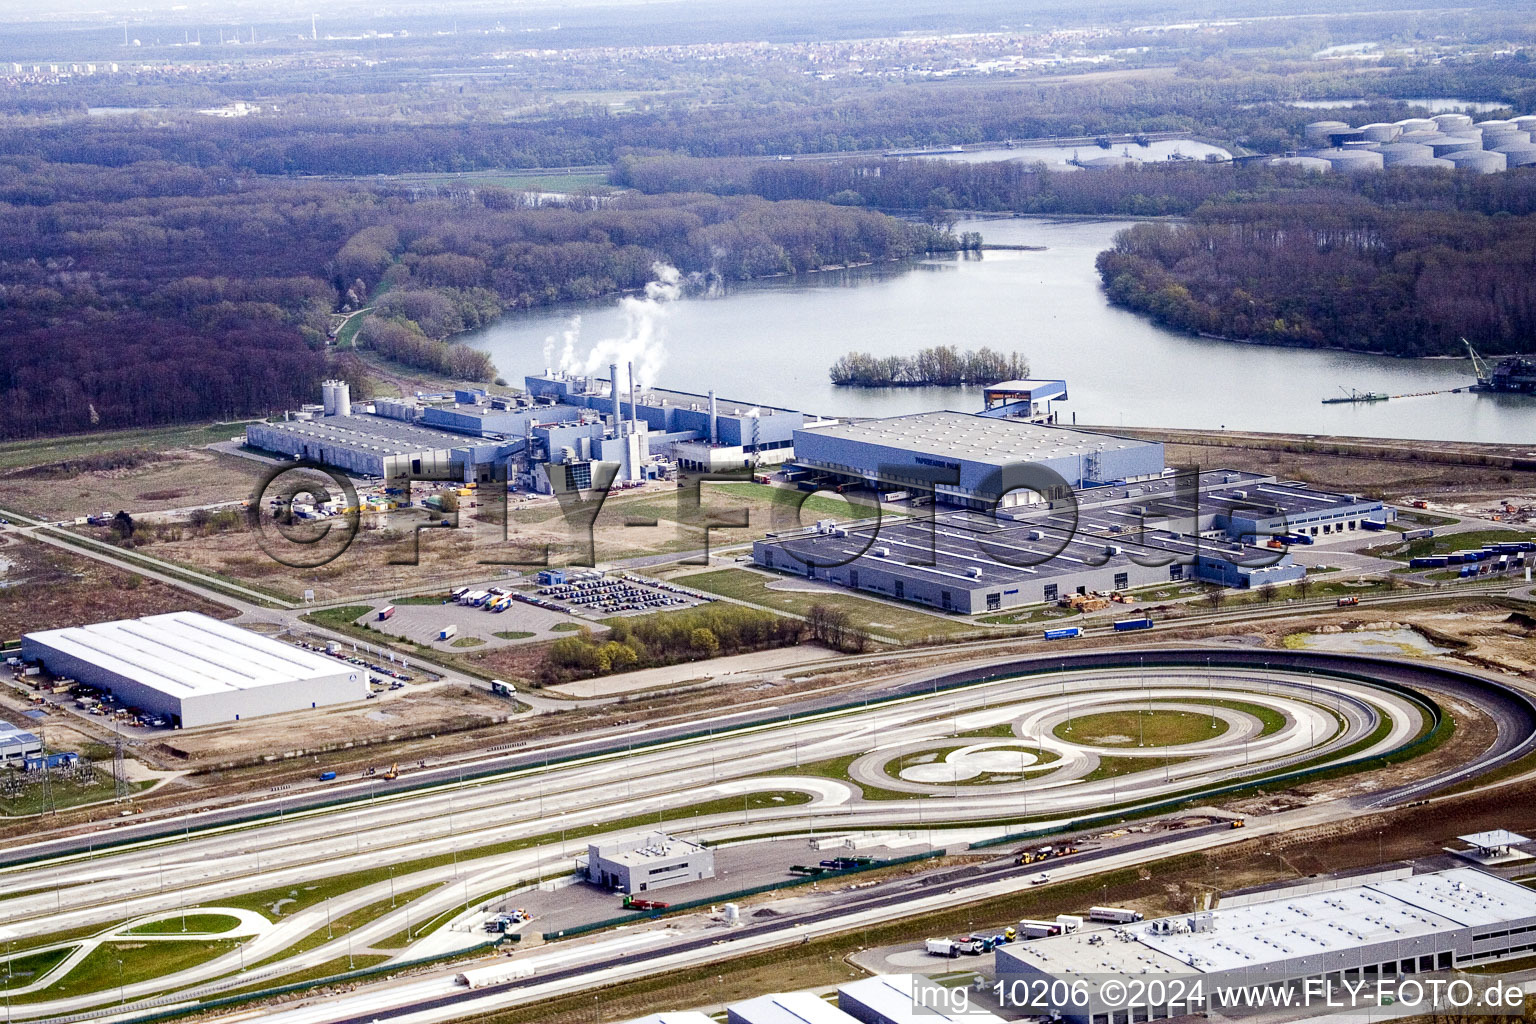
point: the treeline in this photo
(1324, 269)
(667, 638)
(834, 117)
(186, 295)
(941, 365)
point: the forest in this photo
(666, 638)
(158, 294)
(1318, 268)
(942, 365)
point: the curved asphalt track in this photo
(1513, 712)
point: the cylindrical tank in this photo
(1526, 122)
(1380, 131)
(1418, 124)
(1316, 133)
(1519, 155)
(328, 396)
(1351, 159)
(1395, 153)
(343, 398)
(1499, 138)
(1426, 161)
(1306, 163)
(1451, 122)
(1455, 144)
(1479, 160)
(1494, 123)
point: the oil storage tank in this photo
(1317, 133)
(1394, 153)
(1521, 154)
(1380, 132)
(1351, 160)
(1306, 163)
(1417, 124)
(1455, 144)
(1480, 160)
(1452, 122)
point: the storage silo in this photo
(1452, 122)
(1316, 134)
(1394, 153)
(1307, 163)
(1519, 155)
(1455, 144)
(1500, 137)
(336, 398)
(1351, 160)
(1479, 160)
(1380, 131)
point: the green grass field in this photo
(115, 963)
(14, 454)
(1159, 727)
(900, 624)
(22, 970)
(202, 924)
(514, 634)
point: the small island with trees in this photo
(939, 366)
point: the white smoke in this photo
(643, 342)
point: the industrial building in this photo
(654, 862)
(1215, 528)
(550, 438)
(195, 670)
(17, 745)
(1447, 141)
(897, 999)
(1398, 923)
(969, 460)
(1024, 399)
(787, 1008)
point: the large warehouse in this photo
(1400, 923)
(969, 460)
(1105, 538)
(195, 670)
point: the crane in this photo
(1479, 367)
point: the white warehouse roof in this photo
(887, 998)
(187, 654)
(982, 439)
(787, 1008)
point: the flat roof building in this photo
(195, 670)
(1215, 527)
(16, 744)
(969, 460)
(1395, 925)
(654, 862)
(382, 446)
(787, 1008)
(898, 999)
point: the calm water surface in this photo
(771, 342)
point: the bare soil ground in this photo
(183, 478)
(49, 589)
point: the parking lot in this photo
(618, 594)
(523, 623)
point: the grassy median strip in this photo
(121, 963)
(24, 969)
(340, 926)
(199, 924)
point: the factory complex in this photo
(1448, 141)
(193, 670)
(1020, 510)
(1396, 923)
(1042, 545)
(550, 438)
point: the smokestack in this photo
(714, 431)
(618, 415)
(634, 406)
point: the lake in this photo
(772, 342)
(1433, 104)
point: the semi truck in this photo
(1063, 633)
(386, 612)
(447, 632)
(1115, 915)
(1418, 534)
(1031, 929)
(1145, 622)
(942, 947)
